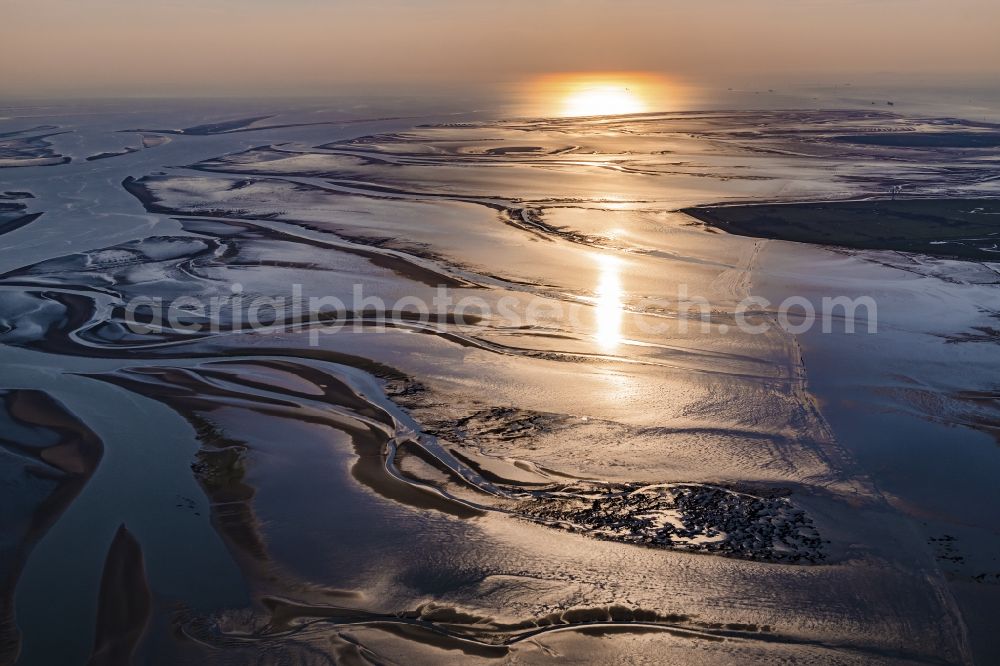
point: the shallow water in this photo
(575, 468)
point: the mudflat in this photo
(956, 228)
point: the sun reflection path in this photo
(608, 302)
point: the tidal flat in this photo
(567, 470)
(950, 228)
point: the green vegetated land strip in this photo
(956, 228)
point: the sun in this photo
(582, 94)
(603, 100)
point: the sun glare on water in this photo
(599, 94)
(604, 100)
(608, 302)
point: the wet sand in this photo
(17, 150)
(48, 457)
(581, 487)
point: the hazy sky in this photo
(168, 47)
